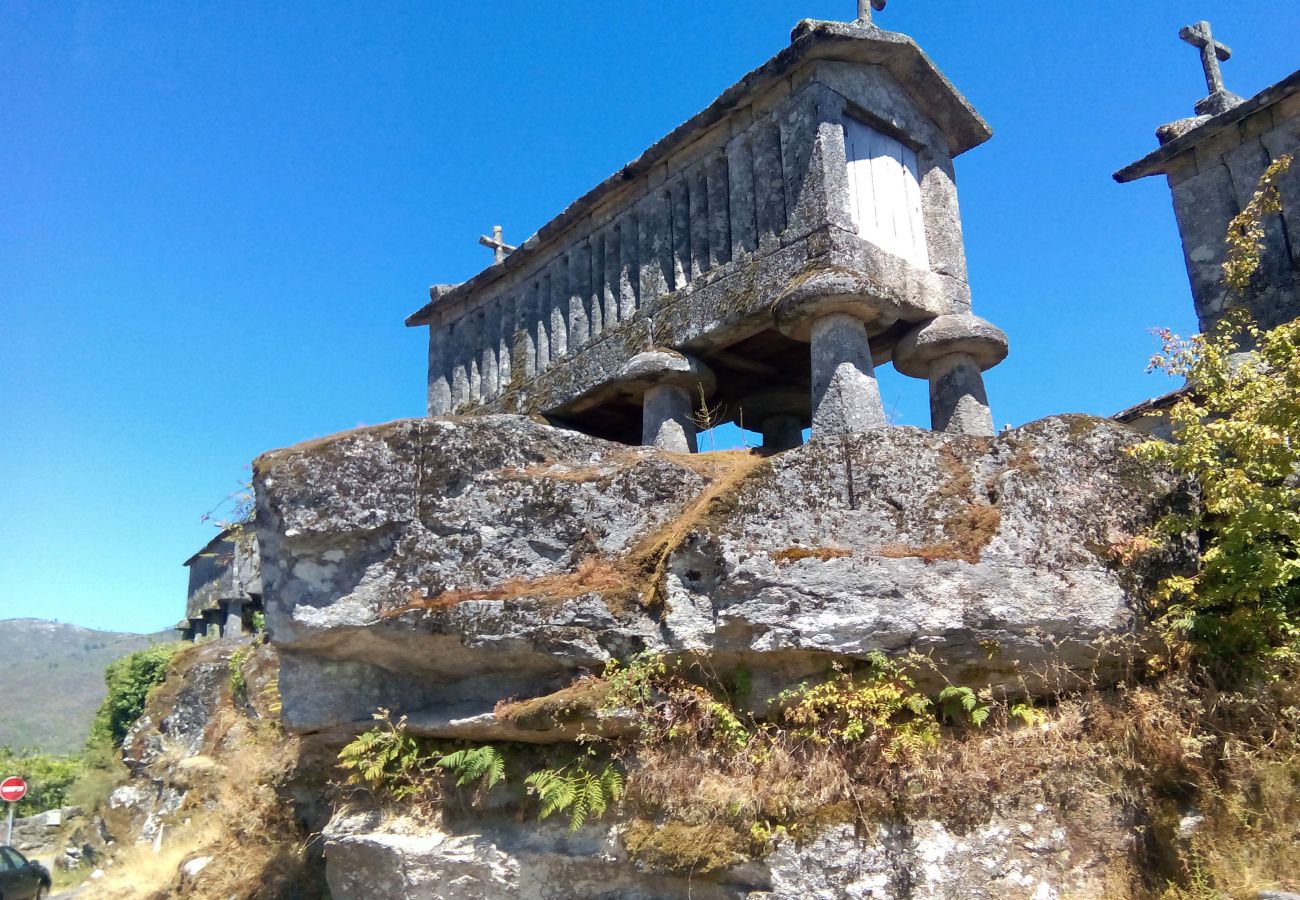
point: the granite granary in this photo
(763, 257)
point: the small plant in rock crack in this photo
(386, 759)
(576, 789)
(484, 765)
(876, 708)
(960, 703)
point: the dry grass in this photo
(1150, 752)
(795, 553)
(966, 534)
(638, 574)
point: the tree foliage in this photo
(129, 681)
(1237, 433)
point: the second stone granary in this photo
(761, 259)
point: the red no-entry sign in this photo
(13, 789)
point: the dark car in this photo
(21, 879)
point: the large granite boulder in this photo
(437, 566)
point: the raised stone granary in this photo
(225, 585)
(765, 255)
(1213, 162)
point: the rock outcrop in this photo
(436, 567)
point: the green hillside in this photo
(52, 680)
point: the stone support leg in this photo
(845, 395)
(234, 626)
(781, 432)
(958, 404)
(666, 419)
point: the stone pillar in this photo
(234, 624)
(666, 419)
(957, 399)
(779, 415)
(845, 395)
(951, 352)
(666, 383)
(781, 432)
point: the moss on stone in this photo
(679, 848)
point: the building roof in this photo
(1156, 162)
(810, 40)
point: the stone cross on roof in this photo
(1220, 98)
(497, 243)
(866, 6)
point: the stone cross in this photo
(497, 243)
(1199, 35)
(866, 6)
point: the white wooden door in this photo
(885, 192)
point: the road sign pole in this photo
(9, 836)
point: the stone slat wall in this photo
(731, 202)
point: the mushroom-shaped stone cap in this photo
(939, 337)
(664, 367)
(834, 290)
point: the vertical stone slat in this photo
(559, 284)
(611, 284)
(473, 361)
(506, 345)
(680, 192)
(488, 366)
(769, 184)
(719, 181)
(654, 246)
(579, 296)
(542, 324)
(740, 179)
(699, 222)
(458, 354)
(596, 300)
(525, 347)
(439, 371)
(629, 270)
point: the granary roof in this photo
(810, 40)
(1157, 162)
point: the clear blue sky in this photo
(214, 217)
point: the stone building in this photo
(1213, 162)
(225, 586)
(766, 255)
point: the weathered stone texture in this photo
(1025, 851)
(533, 554)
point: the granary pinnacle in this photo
(866, 6)
(1220, 99)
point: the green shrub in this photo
(129, 681)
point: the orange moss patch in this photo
(638, 574)
(582, 699)
(967, 534)
(594, 575)
(796, 553)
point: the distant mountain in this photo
(52, 680)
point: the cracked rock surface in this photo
(436, 566)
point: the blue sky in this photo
(214, 217)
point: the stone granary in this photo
(1213, 162)
(225, 586)
(762, 258)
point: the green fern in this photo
(583, 794)
(956, 703)
(484, 764)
